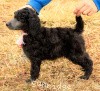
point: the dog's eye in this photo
(22, 18)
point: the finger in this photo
(81, 10)
(90, 13)
(86, 12)
(81, 5)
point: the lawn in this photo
(57, 75)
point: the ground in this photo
(57, 75)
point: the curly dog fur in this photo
(50, 43)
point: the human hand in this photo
(85, 7)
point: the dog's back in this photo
(52, 43)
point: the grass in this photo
(57, 75)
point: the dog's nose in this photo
(7, 24)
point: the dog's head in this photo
(24, 19)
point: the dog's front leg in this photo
(35, 69)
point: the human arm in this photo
(38, 4)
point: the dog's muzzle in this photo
(14, 24)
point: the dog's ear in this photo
(34, 25)
(34, 22)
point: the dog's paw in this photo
(29, 81)
(84, 77)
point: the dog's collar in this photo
(20, 41)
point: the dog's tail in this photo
(79, 28)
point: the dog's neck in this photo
(32, 30)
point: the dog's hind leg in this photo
(87, 66)
(85, 62)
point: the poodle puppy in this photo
(42, 43)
